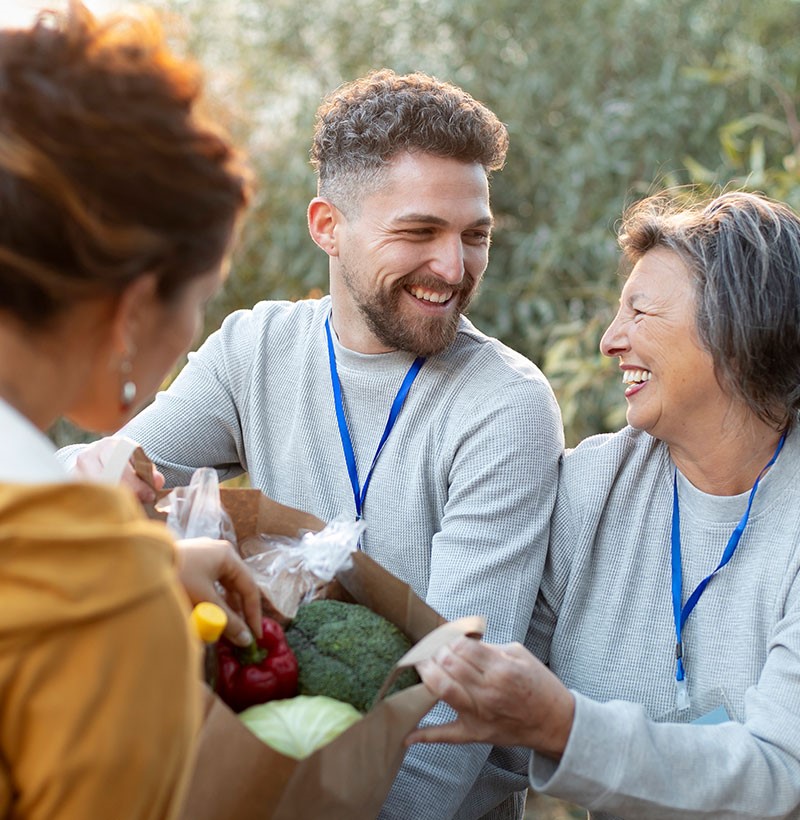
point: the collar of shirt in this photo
(27, 456)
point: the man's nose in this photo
(448, 260)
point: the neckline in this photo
(727, 509)
(348, 359)
(28, 456)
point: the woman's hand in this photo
(204, 562)
(503, 696)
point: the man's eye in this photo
(477, 237)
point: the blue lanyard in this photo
(681, 614)
(359, 494)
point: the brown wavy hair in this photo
(363, 124)
(108, 170)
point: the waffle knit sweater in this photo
(460, 498)
(608, 578)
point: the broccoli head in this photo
(345, 651)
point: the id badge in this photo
(718, 715)
(708, 707)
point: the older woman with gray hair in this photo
(669, 613)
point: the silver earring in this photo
(127, 394)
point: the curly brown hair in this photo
(107, 169)
(363, 124)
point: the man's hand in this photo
(503, 695)
(204, 563)
(93, 461)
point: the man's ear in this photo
(324, 222)
(135, 313)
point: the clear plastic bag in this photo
(291, 571)
(288, 571)
(196, 511)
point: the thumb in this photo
(158, 479)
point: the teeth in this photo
(636, 376)
(430, 295)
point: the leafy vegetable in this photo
(345, 651)
(297, 727)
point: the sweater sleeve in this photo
(197, 422)
(486, 559)
(103, 719)
(555, 576)
(619, 762)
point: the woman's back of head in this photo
(108, 171)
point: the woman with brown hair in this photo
(119, 203)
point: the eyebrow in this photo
(483, 222)
(631, 297)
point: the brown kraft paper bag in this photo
(238, 776)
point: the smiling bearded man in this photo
(410, 255)
(462, 477)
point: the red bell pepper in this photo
(265, 670)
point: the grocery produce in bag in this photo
(265, 670)
(299, 726)
(346, 651)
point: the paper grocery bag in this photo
(351, 776)
(237, 776)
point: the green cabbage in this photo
(298, 726)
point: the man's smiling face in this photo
(411, 258)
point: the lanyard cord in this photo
(359, 494)
(680, 615)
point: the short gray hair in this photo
(743, 251)
(363, 124)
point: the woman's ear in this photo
(136, 314)
(324, 222)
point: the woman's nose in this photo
(614, 341)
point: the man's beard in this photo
(420, 335)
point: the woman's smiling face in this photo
(670, 384)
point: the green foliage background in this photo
(605, 101)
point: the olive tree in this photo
(605, 101)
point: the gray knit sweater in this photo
(608, 578)
(460, 499)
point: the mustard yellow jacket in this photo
(99, 696)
